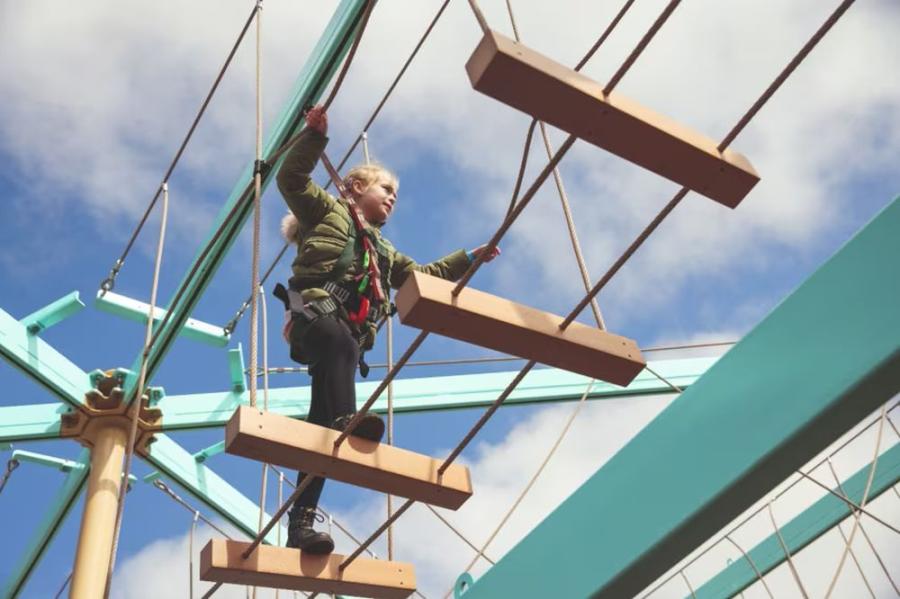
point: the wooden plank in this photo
(283, 568)
(425, 302)
(528, 81)
(303, 446)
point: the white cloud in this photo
(106, 93)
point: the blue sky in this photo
(87, 129)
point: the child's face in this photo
(377, 201)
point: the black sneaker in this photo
(369, 427)
(302, 536)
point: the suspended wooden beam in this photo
(528, 81)
(283, 568)
(303, 446)
(426, 302)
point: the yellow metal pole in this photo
(101, 501)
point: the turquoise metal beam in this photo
(175, 463)
(38, 360)
(824, 359)
(56, 514)
(46, 460)
(808, 526)
(236, 369)
(200, 457)
(206, 410)
(53, 313)
(318, 71)
(138, 311)
(437, 393)
(31, 423)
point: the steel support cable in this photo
(482, 360)
(862, 503)
(229, 328)
(142, 381)
(175, 497)
(109, 282)
(229, 226)
(780, 494)
(472, 269)
(338, 82)
(559, 439)
(65, 584)
(865, 533)
(11, 466)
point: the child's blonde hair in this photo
(369, 174)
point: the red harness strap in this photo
(375, 287)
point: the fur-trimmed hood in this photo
(290, 228)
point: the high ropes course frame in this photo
(790, 364)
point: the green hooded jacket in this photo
(324, 227)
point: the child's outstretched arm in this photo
(450, 267)
(307, 200)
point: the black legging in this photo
(333, 354)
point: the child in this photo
(333, 308)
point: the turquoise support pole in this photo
(39, 361)
(825, 358)
(53, 313)
(808, 526)
(319, 68)
(56, 514)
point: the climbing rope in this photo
(11, 466)
(862, 503)
(862, 529)
(109, 283)
(787, 553)
(389, 351)
(563, 197)
(257, 210)
(750, 561)
(140, 389)
(533, 480)
(191, 554)
(803, 476)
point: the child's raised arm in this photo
(307, 200)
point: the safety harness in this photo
(361, 299)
